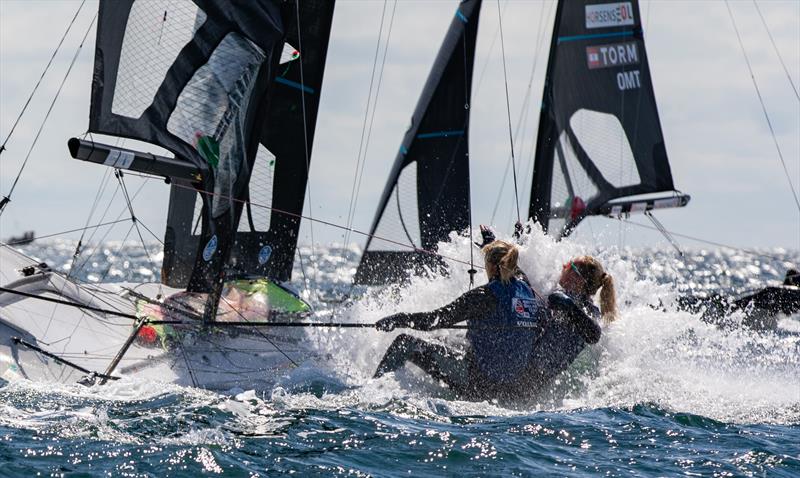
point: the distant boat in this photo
(26, 238)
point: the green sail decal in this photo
(208, 147)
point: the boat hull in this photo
(53, 342)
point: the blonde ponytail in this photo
(595, 278)
(504, 256)
(608, 299)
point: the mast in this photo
(600, 147)
(427, 193)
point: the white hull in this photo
(220, 359)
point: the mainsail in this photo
(427, 194)
(599, 134)
(212, 83)
(266, 237)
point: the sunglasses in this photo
(575, 268)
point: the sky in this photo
(717, 138)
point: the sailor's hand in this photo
(487, 236)
(387, 324)
(518, 230)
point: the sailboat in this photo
(599, 152)
(232, 91)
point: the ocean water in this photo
(662, 394)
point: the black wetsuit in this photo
(561, 337)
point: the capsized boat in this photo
(224, 90)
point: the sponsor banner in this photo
(616, 54)
(607, 15)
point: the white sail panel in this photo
(400, 220)
(602, 137)
(261, 187)
(156, 32)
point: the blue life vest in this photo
(502, 343)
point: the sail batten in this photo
(427, 193)
(599, 134)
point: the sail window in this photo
(602, 137)
(571, 183)
(400, 220)
(261, 181)
(156, 32)
(210, 112)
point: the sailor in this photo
(507, 322)
(792, 278)
(761, 308)
(574, 318)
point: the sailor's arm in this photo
(585, 325)
(472, 305)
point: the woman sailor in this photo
(507, 324)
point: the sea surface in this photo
(662, 394)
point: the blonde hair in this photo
(596, 278)
(503, 256)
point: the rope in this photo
(39, 82)
(763, 107)
(7, 198)
(508, 110)
(775, 47)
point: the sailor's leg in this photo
(436, 360)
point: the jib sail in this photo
(427, 194)
(212, 83)
(599, 135)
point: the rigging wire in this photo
(39, 82)
(62, 233)
(129, 203)
(705, 241)
(329, 224)
(763, 107)
(472, 271)
(523, 113)
(372, 117)
(359, 157)
(775, 47)
(305, 135)
(262, 334)
(6, 199)
(508, 110)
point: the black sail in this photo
(427, 193)
(599, 137)
(265, 240)
(220, 85)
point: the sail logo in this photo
(609, 15)
(264, 254)
(210, 249)
(606, 56)
(524, 308)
